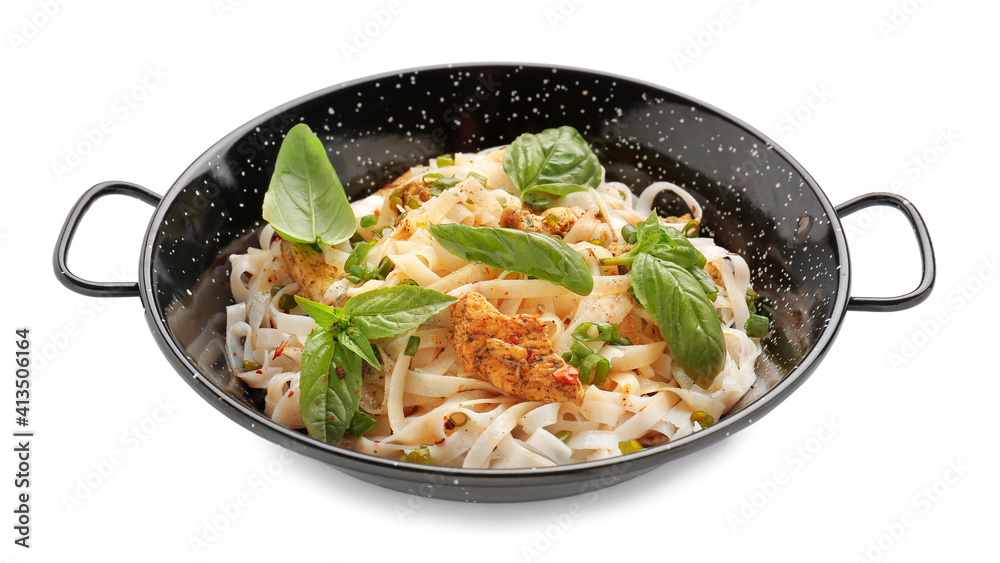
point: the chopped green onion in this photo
(751, 294)
(368, 221)
(445, 160)
(275, 289)
(396, 198)
(536, 202)
(608, 332)
(581, 349)
(599, 366)
(593, 367)
(551, 220)
(413, 203)
(479, 178)
(408, 281)
(429, 178)
(692, 229)
(445, 183)
(564, 436)
(629, 446)
(358, 255)
(630, 234)
(286, 302)
(360, 424)
(756, 326)
(422, 456)
(384, 267)
(377, 233)
(251, 366)
(702, 418)
(458, 419)
(411, 346)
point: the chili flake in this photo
(567, 374)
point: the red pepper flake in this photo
(333, 417)
(439, 441)
(260, 372)
(290, 393)
(567, 374)
(324, 379)
(280, 349)
(317, 401)
(566, 321)
(410, 411)
(340, 372)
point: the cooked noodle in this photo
(647, 397)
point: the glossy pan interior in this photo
(757, 201)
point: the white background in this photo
(888, 452)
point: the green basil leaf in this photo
(687, 319)
(707, 283)
(389, 311)
(329, 396)
(557, 161)
(554, 189)
(361, 423)
(648, 234)
(324, 315)
(542, 256)
(683, 256)
(305, 201)
(357, 342)
(683, 245)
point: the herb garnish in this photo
(542, 256)
(330, 377)
(552, 163)
(305, 201)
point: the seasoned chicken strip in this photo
(309, 269)
(512, 353)
(563, 219)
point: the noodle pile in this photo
(416, 399)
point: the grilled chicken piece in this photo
(523, 220)
(309, 269)
(512, 353)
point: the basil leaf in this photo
(329, 396)
(389, 311)
(357, 342)
(648, 234)
(324, 315)
(687, 319)
(360, 424)
(557, 161)
(683, 256)
(683, 246)
(707, 283)
(305, 201)
(542, 256)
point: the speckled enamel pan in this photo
(758, 201)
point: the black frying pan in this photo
(758, 201)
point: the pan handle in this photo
(59, 261)
(926, 252)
